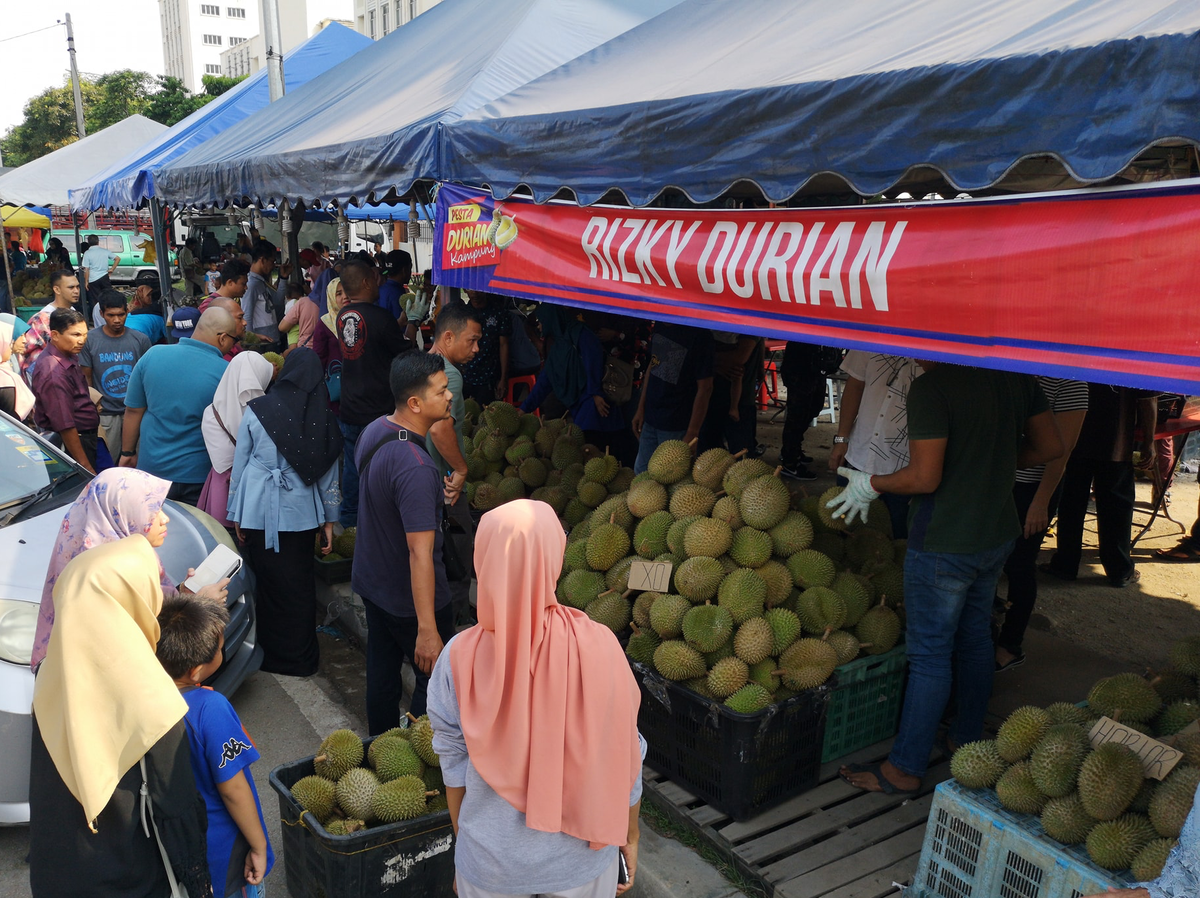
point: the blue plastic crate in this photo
(974, 848)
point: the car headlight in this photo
(18, 624)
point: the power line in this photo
(27, 33)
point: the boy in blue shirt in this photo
(190, 648)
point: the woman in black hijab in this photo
(283, 491)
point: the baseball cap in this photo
(396, 260)
(183, 322)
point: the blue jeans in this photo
(651, 437)
(948, 597)
(349, 513)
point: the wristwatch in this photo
(125, 454)
(838, 441)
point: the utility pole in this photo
(273, 38)
(75, 80)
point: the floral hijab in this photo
(117, 503)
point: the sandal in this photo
(886, 786)
(1017, 659)
(1184, 551)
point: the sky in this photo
(108, 37)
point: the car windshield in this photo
(26, 464)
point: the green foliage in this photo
(215, 85)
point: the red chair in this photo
(528, 381)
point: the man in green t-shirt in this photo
(969, 429)
(455, 339)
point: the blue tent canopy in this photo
(382, 212)
(374, 123)
(816, 96)
(130, 181)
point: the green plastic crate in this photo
(27, 312)
(866, 703)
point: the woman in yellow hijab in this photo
(101, 704)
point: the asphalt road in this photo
(287, 718)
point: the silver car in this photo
(37, 483)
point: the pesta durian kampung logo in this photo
(475, 237)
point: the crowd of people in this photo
(361, 427)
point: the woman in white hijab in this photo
(246, 378)
(15, 396)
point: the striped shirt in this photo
(1064, 396)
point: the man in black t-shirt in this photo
(370, 339)
(678, 385)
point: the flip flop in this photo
(1184, 551)
(1015, 662)
(886, 786)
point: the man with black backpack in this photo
(804, 371)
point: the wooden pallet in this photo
(833, 841)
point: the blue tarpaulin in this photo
(857, 92)
(130, 181)
(374, 122)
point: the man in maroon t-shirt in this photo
(64, 403)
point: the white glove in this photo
(856, 498)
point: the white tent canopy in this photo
(45, 181)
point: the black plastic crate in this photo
(336, 571)
(414, 857)
(740, 764)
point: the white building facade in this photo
(195, 35)
(379, 18)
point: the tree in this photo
(49, 124)
(171, 102)
(215, 85)
(120, 94)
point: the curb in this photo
(667, 869)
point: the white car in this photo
(37, 484)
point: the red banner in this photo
(1099, 285)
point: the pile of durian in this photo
(769, 593)
(402, 779)
(514, 456)
(1042, 763)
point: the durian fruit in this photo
(878, 630)
(826, 513)
(670, 462)
(806, 663)
(707, 627)
(650, 536)
(691, 499)
(727, 676)
(316, 795)
(422, 740)
(601, 470)
(666, 615)
(354, 792)
(1176, 716)
(504, 416)
(611, 610)
(763, 673)
(580, 588)
(1065, 820)
(592, 494)
(726, 509)
(641, 608)
(1189, 744)
(344, 542)
(744, 593)
(1126, 694)
(1141, 801)
(742, 473)
(395, 758)
(754, 641)
(340, 751)
(642, 644)
(1056, 759)
(1115, 843)
(343, 827)
(707, 537)
(616, 578)
(888, 581)
(764, 502)
(676, 660)
(810, 568)
(978, 765)
(785, 629)
(533, 472)
(677, 532)
(575, 557)
(1185, 656)
(1022, 731)
(856, 596)
(699, 578)
(778, 580)
(1065, 712)
(750, 548)
(867, 546)
(793, 533)
(846, 645)
(1172, 801)
(710, 468)
(399, 799)
(614, 510)
(831, 545)
(606, 545)
(1149, 862)
(821, 609)
(749, 699)
(1018, 792)
(1172, 685)
(698, 685)
(1109, 779)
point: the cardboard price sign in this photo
(1158, 759)
(650, 576)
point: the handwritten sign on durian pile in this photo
(1158, 758)
(650, 576)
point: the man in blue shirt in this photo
(98, 263)
(168, 391)
(262, 303)
(394, 288)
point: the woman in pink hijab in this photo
(534, 713)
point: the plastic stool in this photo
(513, 382)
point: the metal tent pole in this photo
(161, 248)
